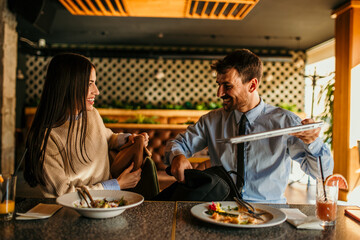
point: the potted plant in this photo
(327, 91)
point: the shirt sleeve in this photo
(308, 156)
(188, 143)
(111, 184)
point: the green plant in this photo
(290, 107)
(327, 114)
(189, 122)
(142, 105)
(109, 120)
(142, 119)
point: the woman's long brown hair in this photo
(63, 97)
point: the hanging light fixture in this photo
(160, 74)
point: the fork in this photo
(82, 196)
(84, 189)
(83, 192)
(250, 209)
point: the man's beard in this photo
(229, 106)
(234, 104)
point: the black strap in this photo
(240, 155)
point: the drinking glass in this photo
(326, 202)
(7, 197)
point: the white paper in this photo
(299, 220)
(40, 211)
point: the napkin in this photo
(40, 211)
(299, 220)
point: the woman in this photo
(68, 142)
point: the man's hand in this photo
(308, 136)
(144, 134)
(178, 165)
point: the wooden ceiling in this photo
(270, 24)
(214, 9)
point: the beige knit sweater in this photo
(59, 177)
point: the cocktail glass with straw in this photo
(326, 199)
(8, 192)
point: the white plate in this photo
(133, 199)
(199, 211)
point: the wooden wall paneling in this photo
(347, 46)
(355, 39)
(341, 119)
(354, 163)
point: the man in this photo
(263, 171)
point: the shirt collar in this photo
(252, 114)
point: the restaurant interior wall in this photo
(133, 80)
(320, 60)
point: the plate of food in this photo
(108, 203)
(228, 214)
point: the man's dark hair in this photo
(247, 64)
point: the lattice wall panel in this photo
(135, 80)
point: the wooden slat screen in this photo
(95, 7)
(220, 9)
(213, 9)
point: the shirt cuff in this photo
(111, 184)
(316, 146)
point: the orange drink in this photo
(326, 201)
(326, 211)
(7, 197)
(7, 207)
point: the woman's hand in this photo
(128, 179)
(144, 134)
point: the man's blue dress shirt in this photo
(267, 161)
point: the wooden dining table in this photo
(161, 220)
